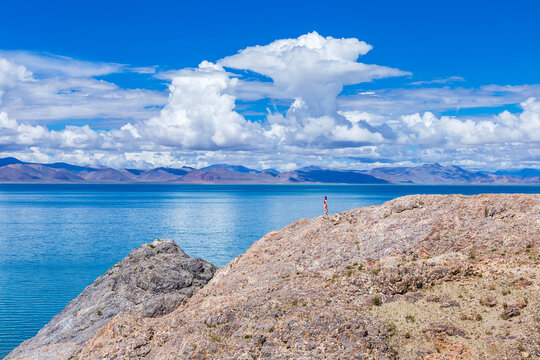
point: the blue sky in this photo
(483, 41)
(464, 63)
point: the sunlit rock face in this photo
(422, 276)
(151, 281)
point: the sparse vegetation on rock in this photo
(435, 300)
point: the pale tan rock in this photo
(307, 291)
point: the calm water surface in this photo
(56, 239)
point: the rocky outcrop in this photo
(396, 281)
(151, 281)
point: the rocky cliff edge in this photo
(427, 277)
(151, 281)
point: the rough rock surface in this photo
(151, 281)
(367, 284)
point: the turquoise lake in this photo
(57, 239)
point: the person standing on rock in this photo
(325, 206)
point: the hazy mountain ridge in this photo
(438, 174)
(15, 171)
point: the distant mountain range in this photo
(15, 171)
(438, 174)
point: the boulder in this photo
(152, 281)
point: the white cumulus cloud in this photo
(201, 119)
(53, 88)
(312, 70)
(504, 128)
(199, 113)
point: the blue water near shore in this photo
(57, 239)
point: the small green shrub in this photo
(377, 301)
(216, 338)
(393, 328)
(410, 318)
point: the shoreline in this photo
(258, 184)
(457, 256)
